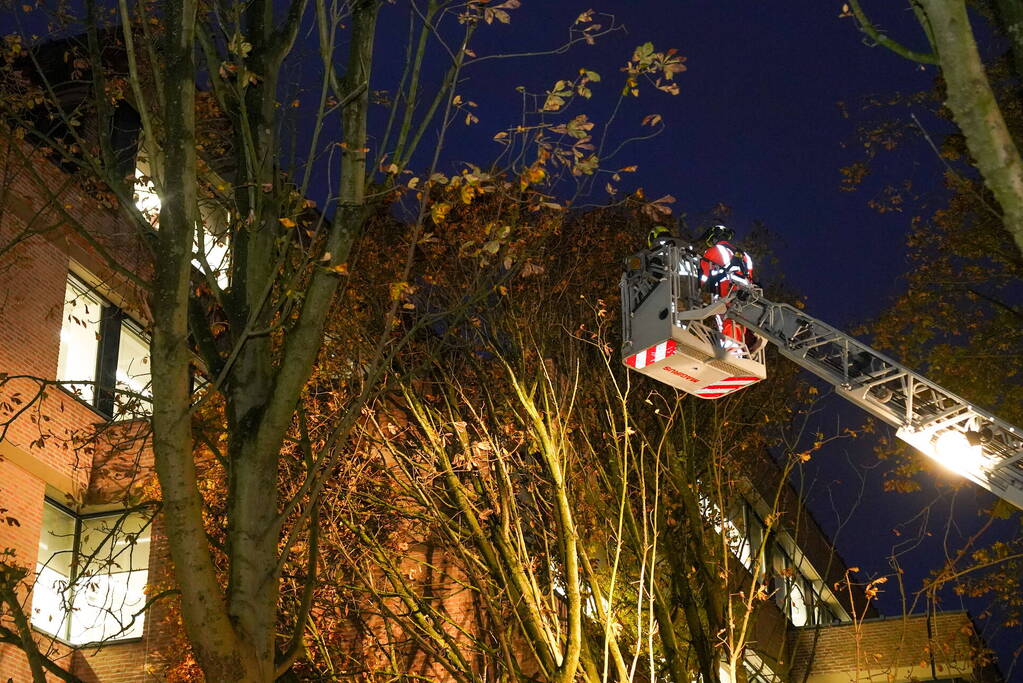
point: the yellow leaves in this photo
(467, 192)
(439, 212)
(585, 17)
(339, 269)
(586, 166)
(239, 46)
(651, 120)
(286, 222)
(399, 289)
(533, 174)
(557, 96)
(872, 589)
(1002, 509)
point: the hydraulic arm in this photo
(670, 334)
(947, 427)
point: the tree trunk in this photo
(976, 111)
(218, 650)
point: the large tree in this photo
(233, 144)
(976, 109)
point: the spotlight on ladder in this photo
(958, 451)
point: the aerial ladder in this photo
(671, 331)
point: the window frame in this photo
(112, 319)
(75, 572)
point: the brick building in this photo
(63, 486)
(66, 493)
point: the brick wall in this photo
(895, 650)
(43, 450)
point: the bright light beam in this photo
(951, 449)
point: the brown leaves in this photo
(659, 208)
(499, 12)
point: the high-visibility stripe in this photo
(652, 355)
(726, 386)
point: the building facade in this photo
(68, 488)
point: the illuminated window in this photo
(104, 355)
(146, 199)
(794, 592)
(209, 253)
(757, 671)
(91, 575)
(79, 340)
(215, 257)
(799, 612)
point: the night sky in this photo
(757, 126)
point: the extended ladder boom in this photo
(942, 425)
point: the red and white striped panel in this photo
(726, 386)
(652, 355)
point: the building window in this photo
(91, 575)
(104, 355)
(757, 671)
(210, 254)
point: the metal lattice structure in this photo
(925, 414)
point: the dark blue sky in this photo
(756, 125)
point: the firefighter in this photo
(658, 237)
(656, 240)
(721, 268)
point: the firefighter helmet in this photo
(718, 233)
(657, 236)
